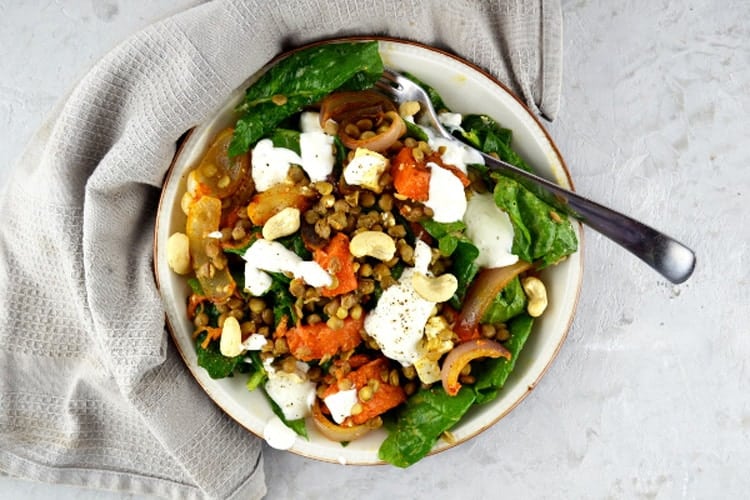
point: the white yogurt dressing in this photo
(278, 435)
(317, 154)
(491, 231)
(254, 342)
(293, 392)
(456, 154)
(451, 121)
(271, 164)
(309, 121)
(341, 404)
(446, 195)
(257, 282)
(397, 322)
(272, 256)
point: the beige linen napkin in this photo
(92, 391)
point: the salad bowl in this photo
(465, 88)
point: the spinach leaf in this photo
(195, 286)
(296, 244)
(537, 236)
(415, 131)
(493, 373)
(286, 138)
(283, 300)
(447, 234)
(216, 364)
(421, 421)
(242, 248)
(453, 242)
(302, 79)
(256, 379)
(486, 134)
(398, 269)
(209, 308)
(238, 275)
(510, 302)
(340, 158)
(258, 376)
(464, 269)
(437, 101)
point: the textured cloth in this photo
(92, 391)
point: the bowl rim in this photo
(183, 140)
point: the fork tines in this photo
(389, 81)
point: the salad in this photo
(357, 269)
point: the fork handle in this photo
(667, 256)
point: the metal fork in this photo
(670, 258)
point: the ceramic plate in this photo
(466, 89)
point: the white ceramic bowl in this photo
(466, 89)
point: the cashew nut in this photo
(373, 243)
(178, 253)
(282, 224)
(434, 289)
(537, 294)
(230, 344)
(408, 108)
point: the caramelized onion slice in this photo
(365, 103)
(219, 175)
(483, 291)
(462, 355)
(203, 219)
(347, 108)
(341, 433)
